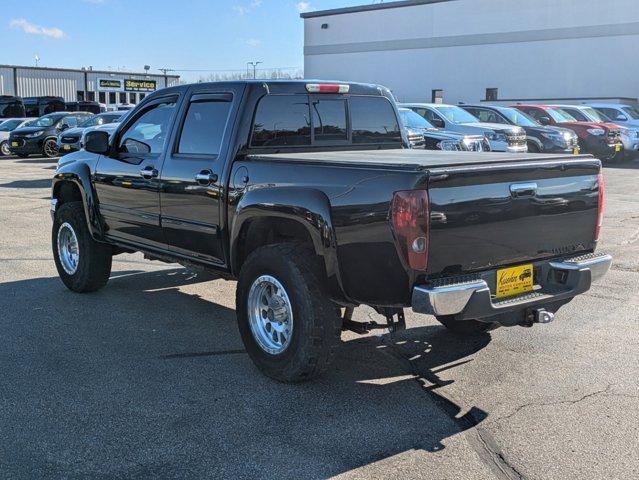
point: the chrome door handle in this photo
(206, 177)
(148, 172)
(528, 189)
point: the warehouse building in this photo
(107, 87)
(478, 50)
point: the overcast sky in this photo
(177, 34)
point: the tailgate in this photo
(492, 215)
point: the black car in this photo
(41, 137)
(11, 107)
(422, 134)
(70, 140)
(84, 106)
(539, 138)
(38, 106)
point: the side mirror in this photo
(97, 142)
(63, 127)
(438, 122)
(544, 120)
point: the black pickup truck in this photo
(306, 194)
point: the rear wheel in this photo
(468, 328)
(83, 264)
(4, 149)
(50, 148)
(289, 326)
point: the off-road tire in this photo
(317, 325)
(94, 265)
(466, 328)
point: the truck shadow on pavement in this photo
(147, 379)
(39, 183)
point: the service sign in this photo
(140, 85)
(109, 84)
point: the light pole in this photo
(254, 65)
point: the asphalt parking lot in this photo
(148, 378)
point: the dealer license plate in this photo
(618, 148)
(66, 147)
(575, 151)
(514, 280)
(15, 144)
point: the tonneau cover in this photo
(416, 158)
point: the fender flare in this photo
(309, 207)
(79, 174)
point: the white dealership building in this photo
(104, 86)
(473, 50)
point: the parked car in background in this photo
(11, 107)
(38, 106)
(421, 134)
(119, 107)
(502, 138)
(70, 140)
(629, 135)
(41, 138)
(624, 115)
(84, 106)
(6, 127)
(603, 140)
(539, 138)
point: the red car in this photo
(603, 140)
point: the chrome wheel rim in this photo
(50, 149)
(68, 249)
(4, 149)
(270, 314)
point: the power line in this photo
(223, 69)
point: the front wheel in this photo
(83, 264)
(466, 328)
(50, 148)
(289, 326)
(4, 149)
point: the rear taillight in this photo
(601, 200)
(410, 219)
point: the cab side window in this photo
(576, 114)
(204, 127)
(149, 132)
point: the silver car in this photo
(7, 125)
(502, 138)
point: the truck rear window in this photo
(286, 121)
(373, 120)
(282, 120)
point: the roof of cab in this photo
(282, 86)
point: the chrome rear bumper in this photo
(557, 280)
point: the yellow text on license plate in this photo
(575, 151)
(514, 281)
(14, 144)
(66, 147)
(618, 148)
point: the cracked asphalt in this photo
(148, 377)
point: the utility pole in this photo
(254, 65)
